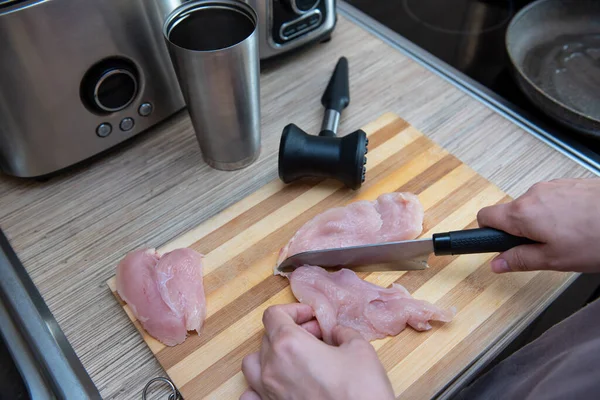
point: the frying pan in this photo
(554, 49)
(7, 2)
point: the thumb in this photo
(342, 334)
(521, 258)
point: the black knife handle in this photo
(475, 241)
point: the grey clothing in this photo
(563, 363)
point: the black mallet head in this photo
(327, 156)
(342, 158)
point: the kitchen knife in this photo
(406, 255)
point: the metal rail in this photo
(48, 364)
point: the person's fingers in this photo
(264, 350)
(250, 394)
(521, 258)
(497, 217)
(342, 334)
(286, 314)
(313, 328)
(252, 371)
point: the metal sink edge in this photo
(45, 359)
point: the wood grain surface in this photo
(242, 243)
(71, 231)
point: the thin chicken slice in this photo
(342, 298)
(392, 217)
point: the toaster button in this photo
(145, 109)
(307, 22)
(126, 124)
(104, 129)
(288, 31)
(314, 19)
(302, 26)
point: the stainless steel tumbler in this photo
(214, 49)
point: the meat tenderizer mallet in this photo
(326, 155)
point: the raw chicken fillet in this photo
(166, 294)
(392, 217)
(342, 298)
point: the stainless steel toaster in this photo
(79, 77)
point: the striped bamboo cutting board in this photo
(241, 245)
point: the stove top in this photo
(468, 35)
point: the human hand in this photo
(294, 364)
(563, 215)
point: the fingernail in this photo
(500, 266)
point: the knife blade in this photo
(406, 255)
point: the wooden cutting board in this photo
(241, 245)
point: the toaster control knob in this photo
(115, 89)
(110, 86)
(301, 6)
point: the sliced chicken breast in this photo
(165, 294)
(342, 298)
(392, 217)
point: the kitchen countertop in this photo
(70, 231)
